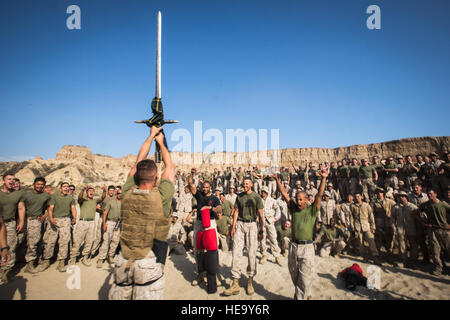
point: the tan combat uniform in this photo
(403, 216)
(363, 224)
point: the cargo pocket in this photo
(146, 271)
(122, 275)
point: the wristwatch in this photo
(7, 248)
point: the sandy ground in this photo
(271, 282)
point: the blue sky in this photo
(309, 68)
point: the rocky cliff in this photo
(78, 165)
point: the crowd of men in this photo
(397, 208)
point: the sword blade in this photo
(158, 58)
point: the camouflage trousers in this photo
(344, 188)
(257, 185)
(439, 241)
(368, 187)
(384, 238)
(332, 247)
(404, 238)
(246, 234)
(111, 239)
(301, 268)
(223, 241)
(34, 235)
(284, 244)
(85, 232)
(144, 280)
(22, 235)
(369, 237)
(270, 233)
(60, 233)
(11, 239)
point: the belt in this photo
(246, 220)
(303, 241)
(34, 218)
(8, 220)
(86, 219)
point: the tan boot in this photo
(200, 279)
(30, 267)
(43, 265)
(61, 266)
(250, 289)
(263, 260)
(234, 289)
(86, 261)
(278, 261)
(111, 260)
(72, 261)
(219, 284)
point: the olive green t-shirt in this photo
(227, 208)
(35, 203)
(301, 175)
(248, 205)
(343, 171)
(436, 213)
(366, 172)
(284, 176)
(113, 208)
(9, 202)
(329, 234)
(240, 175)
(62, 204)
(302, 221)
(391, 166)
(354, 171)
(107, 200)
(223, 225)
(282, 233)
(88, 208)
(166, 190)
(409, 170)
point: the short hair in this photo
(9, 173)
(119, 187)
(40, 179)
(207, 181)
(288, 220)
(63, 183)
(146, 171)
(222, 194)
(111, 187)
(358, 192)
(71, 185)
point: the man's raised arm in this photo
(169, 171)
(282, 189)
(192, 186)
(324, 174)
(145, 148)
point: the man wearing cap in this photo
(364, 225)
(385, 230)
(438, 229)
(327, 210)
(231, 196)
(403, 215)
(311, 191)
(271, 214)
(298, 187)
(301, 251)
(245, 231)
(334, 195)
(367, 176)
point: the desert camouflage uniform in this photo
(271, 212)
(176, 233)
(111, 239)
(384, 233)
(363, 224)
(301, 268)
(246, 234)
(83, 232)
(327, 211)
(34, 234)
(60, 233)
(144, 280)
(406, 229)
(11, 239)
